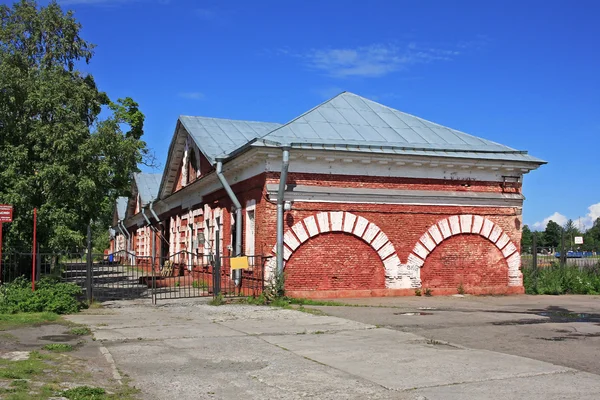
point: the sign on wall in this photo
(578, 239)
(6, 213)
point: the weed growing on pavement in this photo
(217, 301)
(58, 347)
(80, 331)
(199, 285)
(418, 292)
(460, 289)
(428, 292)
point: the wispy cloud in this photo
(584, 222)
(192, 95)
(371, 61)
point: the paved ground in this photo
(189, 350)
(563, 330)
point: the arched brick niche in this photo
(338, 221)
(467, 225)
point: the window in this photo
(250, 232)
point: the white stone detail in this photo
(508, 250)
(287, 253)
(487, 228)
(477, 224)
(445, 228)
(414, 261)
(503, 241)
(361, 225)
(371, 232)
(435, 233)
(454, 225)
(392, 266)
(349, 222)
(336, 220)
(311, 225)
(465, 223)
(421, 251)
(514, 262)
(290, 240)
(323, 219)
(386, 251)
(300, 232)
(428, 242)
(379, 241)
(496, 232)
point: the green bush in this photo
(558, 279)
(50, 295)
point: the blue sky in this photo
(523, 73)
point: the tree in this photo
(526, 240)
(56, 154)
(552, 234)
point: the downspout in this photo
(282, 180)
(128, 244)
(238, 217)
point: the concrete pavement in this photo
(189, 350)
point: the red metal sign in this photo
(6, 212)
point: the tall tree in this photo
(56, 154)
(526, 240)
(552, 234)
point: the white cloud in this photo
(585, 222)
(192, 95)
(556, 217)
(370, 61)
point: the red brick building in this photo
(375, 202)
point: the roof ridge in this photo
(229, 119)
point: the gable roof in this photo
(121, 207)
(147, 186)
(217, 137)
(352, 123)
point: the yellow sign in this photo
(239, 263)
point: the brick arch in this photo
(467, 224)
(344, 222)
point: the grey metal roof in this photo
(352, 123)
(218, 137)
(147, 186)
(121, 205)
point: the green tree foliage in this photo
(552, 234)
(56, 153)
(526, 240)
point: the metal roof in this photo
(147, 186)
(352, 123)
(218, 137)
(121, 205)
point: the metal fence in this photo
(123, 275)
(538, 257)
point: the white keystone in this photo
(508, 250)
(371, 232)
(454, 225)
(465, 223)
(300, 232)
(386, 250)
(349, 222)
(414, 261)
(435, 233)
(311, 225)
(290, 240)
(445, 228)
(428, 242)
(503, 241)
(477, 224)
(379, 241)
(336, 220)
(487, 228)
(323, 219)
(420, 251)
(496, 232)
(361, 225)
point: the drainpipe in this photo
(127, 244)
(153, 212)
(238, 217)
(282, 180)
(146, 218)
(120, 229)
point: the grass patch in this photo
(24, 369)
(558, 279)
(217, 301)
(11, 321)
(80, 331)
(58, 347)
(50, 295)
(84, 393)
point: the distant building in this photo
(377, 202)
